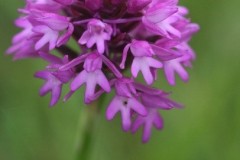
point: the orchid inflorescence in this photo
(113, 36)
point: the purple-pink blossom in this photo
(144, 37)
(97, 33)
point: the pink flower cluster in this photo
(145, 36)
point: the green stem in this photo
(85, 134)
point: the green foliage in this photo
(206, 129)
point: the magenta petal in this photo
(147, 74)
(126, 118)
(64, 38)
(102, 81)
(154, 63)
(48, 37)
(113, 108)
(182, 72)
(79, 80)
(172, 66)
(137, 124)
(50, 58)
(169, 73)
(91, 41)
(53, 21)
(135, 68)
(158, 121)
(158, 13)
(146, 132)
(45, 89)
(91, 84)
(85, 37)
(151, 119)
(137, 107)
(165, 54)
(42, 75)
(56, 93)
(100, 46)
(147, 89)
(22, 35)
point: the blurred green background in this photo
(208, 128)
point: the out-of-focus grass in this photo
(207, 128)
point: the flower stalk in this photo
(85, 137)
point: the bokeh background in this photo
(208, 128)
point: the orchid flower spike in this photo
(115, 41)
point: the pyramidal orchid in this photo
(145, 37)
